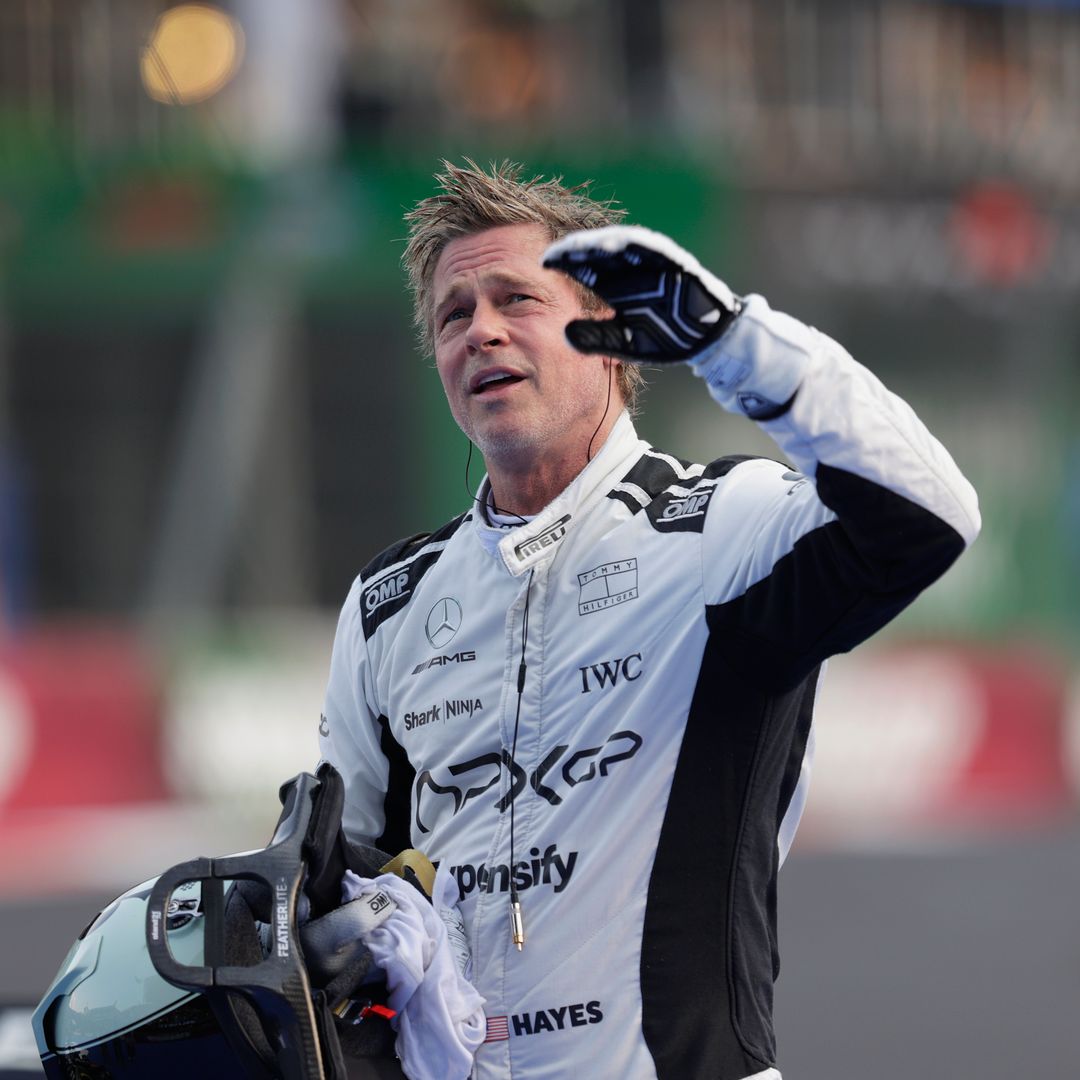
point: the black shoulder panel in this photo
(722, 466)
(391, 577)
(396, 552)
(684, 511)
(674, 511)
(651, 474)
(839, 583)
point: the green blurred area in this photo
(143, 243)
(141, 236)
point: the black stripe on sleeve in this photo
(709, 949)
(839, 583)
(798, 750)
(903, 545)
(396, 834)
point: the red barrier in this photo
(917, 740)
(79, 721)
(1017, 769)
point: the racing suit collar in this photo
(534, 543)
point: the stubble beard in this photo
(511, 444)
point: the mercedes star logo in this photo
(443, 622)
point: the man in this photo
(590, 695)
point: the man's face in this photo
(515, 386)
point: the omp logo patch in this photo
(607, 586)
(687, 506)
(386, 596)
(393, 587)
(378, 902)
(681, 509)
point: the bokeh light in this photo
(192, 53)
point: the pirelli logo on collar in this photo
(548, 537)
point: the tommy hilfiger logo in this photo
(607, 585)
(546, 538)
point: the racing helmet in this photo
(201, 971)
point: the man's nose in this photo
(487, 329)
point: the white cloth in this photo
(334, 941)
(440, 1016)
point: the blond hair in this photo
(470, 201)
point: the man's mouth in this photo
(495, 381)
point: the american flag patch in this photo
(498, 1029)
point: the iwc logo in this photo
(443, 622)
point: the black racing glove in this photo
(668, 307)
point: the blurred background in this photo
(212, 414)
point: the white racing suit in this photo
(678, 617)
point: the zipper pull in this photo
(517, 920)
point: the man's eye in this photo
(515, 297)
(457, 313)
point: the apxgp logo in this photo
(607, 586)
(434, 799)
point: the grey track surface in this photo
(963, 964)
